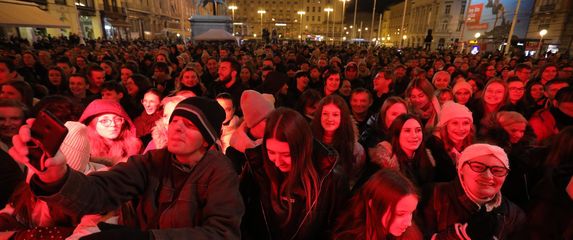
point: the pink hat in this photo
(255, 107)
(103, 106)
(451, 110)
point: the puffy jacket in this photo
(261, 222)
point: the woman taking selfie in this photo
(291, 188)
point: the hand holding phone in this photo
(47, 134)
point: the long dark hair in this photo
(561, 148)
(287, 125)
(379, 195)
(345, 135)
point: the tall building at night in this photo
(556, 17)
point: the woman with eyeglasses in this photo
(111, 132)
(472, 207)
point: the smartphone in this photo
(48, 133)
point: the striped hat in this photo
(206, 114)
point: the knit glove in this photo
(113, 231)
(482, 225)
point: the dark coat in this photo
(209, 205)
(447, 204)
(262, 222)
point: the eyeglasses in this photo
(106, 122)
(480, 168)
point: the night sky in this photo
(366, 5)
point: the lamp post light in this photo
(300, 28)
(233, 8)
(327, 10)
(404, 39)
(342, 21)
(477, 35)
(261, 12)
(542, 34)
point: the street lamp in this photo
(300, 28)
(404, 37)
(327, 10)
(233, 8)
(541, 33)
(343, 11)
(477, 35)
(261, 12)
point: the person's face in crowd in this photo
(360, 102)
(111, 95)
(212, 66)
(305, 67)
(150, 102)
(458, 129)
(402, 215)
(106, 68)
(322, 63)
(410, 136)
(516, 131)
(549, 73)
(10, 92)
(400, 72)
(81, 62)
(198, 68)
(125, 74)
(419, 99)
(393, 112)
(490, 71)
(11, 118)
(161, 58)
(131, 87)
(279, 154)
(345, 88)
(28, 60)
(67, 68)
(268, 63)
(189, 79)
(566, 73)
(351, 73)
(493, 94)
(109, 125)
(314, 73)
(482, 185)
(451, 69)
(554, 88)
(227, 105)
(78, 86)
(462, 96)
(505, 74)
(245, 75)
(332, 83)
(537, 91)
(225, 71)
(414, 63)
(302, 82)
(441, 81)
(309, 109)
(516, 91)
(380, 82)
(5, 74)
(184, 138)
(97, 78)
(55, 77)
(439, 65)
(465, 67)
(444, 97)
(223, 53)
(330, 118)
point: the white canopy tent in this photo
(215, 35)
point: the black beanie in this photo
(205, 113)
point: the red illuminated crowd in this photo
(285, 141)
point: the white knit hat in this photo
(462, 85)
(482, 149)
(76, 146)
(451, 110)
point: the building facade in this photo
(556, 17)
(286, 17)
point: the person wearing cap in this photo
(455, 131)
(186, 189)
(471, 206)
(462, 92)
(351, 74)
(250, 133)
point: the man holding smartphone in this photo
(186, 190)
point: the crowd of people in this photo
(285, 141)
